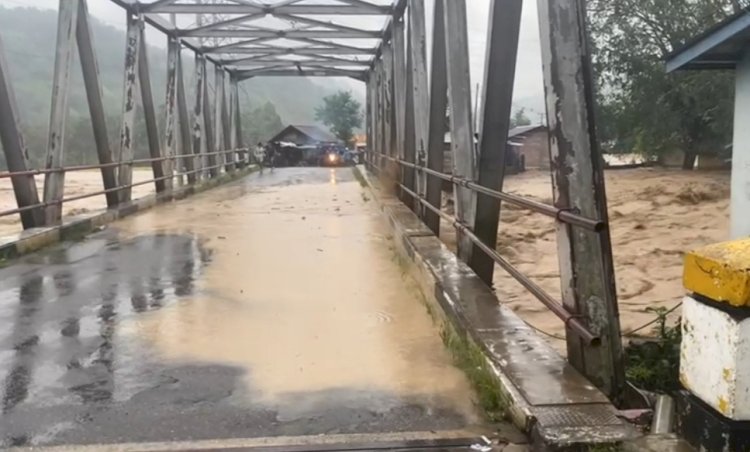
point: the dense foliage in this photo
(342, 113)
(644, 109)
(519, 118)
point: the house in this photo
(532, 143)
(304, 135)
(528, 147)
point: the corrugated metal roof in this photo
(512, 133)
(314, 132)
(523, 130)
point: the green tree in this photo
(341, 113)
(520, 119)
(641, 107)
(260, 124)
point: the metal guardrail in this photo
(567, 216)
(68, 169)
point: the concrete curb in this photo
(545, 396)
(75, 227)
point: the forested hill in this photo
(29, 36)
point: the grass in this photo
(654, 365)
(469, 358)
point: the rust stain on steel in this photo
(134, 33)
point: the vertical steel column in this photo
(16, 153)
(219, 143)
(215, 171)
(586, 268)
(170, 126)
(374, 105)
(186, 143)
(90, 67)
(129, 103)
(54, 183)
(499, 76)
(410, 151)
(399, 83)
(160, 168)
(233, 97)
(227, 129)
(368, 119)
(388, 103)
(438, 110)
(419, 92)
(199, 122)
(462, 131)
(379, 117)
(238, 122)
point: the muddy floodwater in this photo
(271, 306)
(77, 183)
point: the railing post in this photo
(586, 268)
(186, 142)
(462, 131)
(499, 76)
(129, 101)
(199, 121)
(14, 148)
(419, 94)
(54, 183)
(160, 168)
(438, 110)
(90, 67)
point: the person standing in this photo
(260, 155)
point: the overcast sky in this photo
(529, 87)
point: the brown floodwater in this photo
(302, 291)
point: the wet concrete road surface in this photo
(272, 306)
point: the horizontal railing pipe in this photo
(546, 299)
(105, 165)
(567, 216)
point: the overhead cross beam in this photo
(360, 9)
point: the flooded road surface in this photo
(271, 306)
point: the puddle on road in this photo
(302, 292)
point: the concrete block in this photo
(720, 272)
(715, 356)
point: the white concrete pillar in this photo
(740, 203)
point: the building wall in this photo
(536, 149)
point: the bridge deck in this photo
(271, 306)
